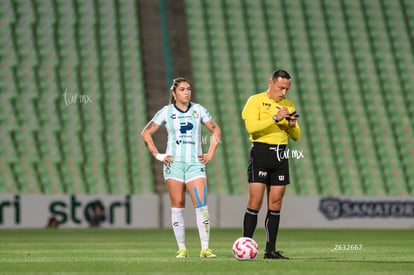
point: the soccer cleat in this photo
(181, 254)
(274, 255)
(207, 253)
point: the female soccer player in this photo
(184, 161)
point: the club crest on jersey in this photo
(195, 114)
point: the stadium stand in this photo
(345, 58)
(351, 62)
(59, 54)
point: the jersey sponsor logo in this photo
(174, 116)
(185, 126)
(266, 105)
(180, 141)
(182, 116)
(262, 174)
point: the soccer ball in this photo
(245, 249)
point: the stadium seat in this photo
(350, 62)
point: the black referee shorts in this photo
(268, 164)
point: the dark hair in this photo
(280, 73)
(98, 204)
(52, 223)
(174, 85)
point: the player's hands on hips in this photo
(164, 158)
(204, 158)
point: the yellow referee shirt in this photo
(258, 117)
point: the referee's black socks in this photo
(272, 227)
(249, 222)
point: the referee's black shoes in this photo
(274, 255)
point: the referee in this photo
(270, 120)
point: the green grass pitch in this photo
(121, 251)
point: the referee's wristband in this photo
(160, 157)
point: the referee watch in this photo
(275, 118)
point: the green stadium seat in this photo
(7, 181)
(7, 12)
(344, 57)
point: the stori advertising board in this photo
(71, 210)
(153, 211)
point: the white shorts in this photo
(184, 171)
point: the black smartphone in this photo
(294, 114)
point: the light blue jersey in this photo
(184, 130)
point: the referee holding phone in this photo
(270, 120)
